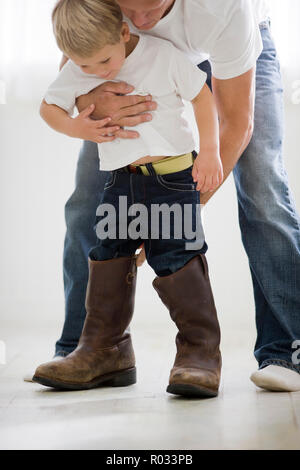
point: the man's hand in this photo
(83, 127)
(111, 101)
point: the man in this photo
(225, 32)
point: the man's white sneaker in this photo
(28, 377)
(277, 379)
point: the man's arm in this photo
(235, 103)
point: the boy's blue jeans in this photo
(165, 245)
(269, 223)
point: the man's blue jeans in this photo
(269, 225)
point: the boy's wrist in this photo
(209, 147)
(209, 154)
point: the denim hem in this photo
(280, 362)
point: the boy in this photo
(157, 169)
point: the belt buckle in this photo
(131, 169)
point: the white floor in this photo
(142, 416)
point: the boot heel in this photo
(123, 379)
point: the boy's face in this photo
(108, 61)
(145, 14)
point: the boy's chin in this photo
(110, 76)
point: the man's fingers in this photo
(138, 109)
(134, 120)
(101, 139)
(125, 134)
(134, 110)
(117, 87)
(133, 100)
(87, 111)
(108, 130)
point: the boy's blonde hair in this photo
(82, 27)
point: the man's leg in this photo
(80, 212)
(269, 222)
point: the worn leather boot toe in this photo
(104, 355)
(188, 296)
(193, 382)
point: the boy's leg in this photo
(183, 284)
(104, 355)
(80, 213)
(269, 222)
(80, 237)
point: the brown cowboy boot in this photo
(188, 296)
(104, 355)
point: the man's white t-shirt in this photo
(261, 9)
(224, 31)
(155, 67)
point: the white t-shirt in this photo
(261, 9)
(155, 67)
(225, 31)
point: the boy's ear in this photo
(125, 32)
